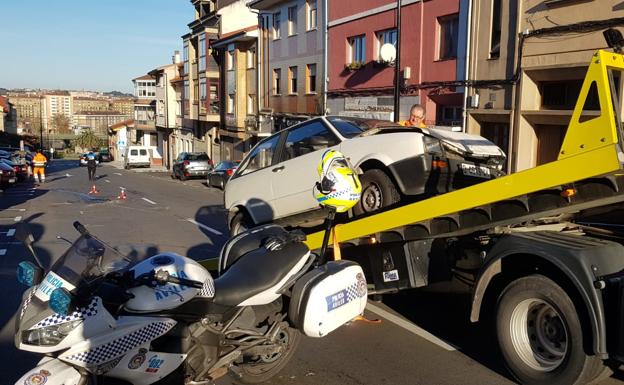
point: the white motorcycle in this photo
(101, 318)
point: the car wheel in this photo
(540, 334)
(240, 223)
(183, 177)
(378, 191)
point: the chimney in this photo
(176, 57)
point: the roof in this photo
(119, 125)
(263, 5)
(98, 113)
(144, 102)
(245, 34)
(144, 77)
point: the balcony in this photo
(145, 125)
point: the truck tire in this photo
(240, 223)
(378, 191)
(540, 334)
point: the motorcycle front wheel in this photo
(259, 369)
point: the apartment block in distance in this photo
(29, 110)
(291, 46)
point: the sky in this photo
(88, 44)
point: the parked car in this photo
(105, 156)
(20, 169)
(7, 176)
(275, 180)
(219, 175)
(191, 164)
(137, 156)
(83, 160)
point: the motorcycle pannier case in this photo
(328, 297)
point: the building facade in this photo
(122, 105)
(432, 58)
(86, 104)
(29, 110)
(291, 48)
(530, 100)
(57, 112)
(236, 46)
(200, 80)
(8, 116)
(166, 105)
(98, 121)
(145, 133)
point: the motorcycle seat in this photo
(260, 272)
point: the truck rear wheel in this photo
(540, 334)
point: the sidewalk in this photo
(119, 165)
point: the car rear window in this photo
(143, 152)
(134, 152)
(197, 157)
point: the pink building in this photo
(432, 40)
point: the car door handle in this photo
(279, 169)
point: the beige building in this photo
(56, 103)
(200, 77)
(530, 110)
(122, 105)
(29, 112)
(85, 104)
(98, 121)
(238, 34)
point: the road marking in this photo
(10, 233)
(204, 226)
(2, 251)
(116, 173)
(17, 219)
(149, 201)
(405, 324)
(15, 209)
(67, 175)
(106, 180)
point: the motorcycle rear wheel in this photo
(259, 369)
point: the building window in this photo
(187, 94)
(230, 104)
(202, 89)
(495, 33)
(311, 15)
(214, 96)
(202, 52)
(448, 31)
(276, 25)
(230, 59)
(251, 104)
(277, 77)
(292, 20)
(311, 81)
(251, 58)
(357, 46)
(386, 37)
(185, 56)
(292, 80)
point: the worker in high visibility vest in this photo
(39, 162)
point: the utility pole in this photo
(397, 65)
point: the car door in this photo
(178, 162)
(295, 175)
(251, 185)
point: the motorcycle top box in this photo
(328, 297)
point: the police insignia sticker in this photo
(37, 378)
(137, 360)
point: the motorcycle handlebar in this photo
(80, 228)
(163, 277)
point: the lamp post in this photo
(397, 65)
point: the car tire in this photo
(540, 334)
(378, 191)
(183, 177)
(240, 223)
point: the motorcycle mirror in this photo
(24, 235)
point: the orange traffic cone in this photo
(122, 194)
(93, 190)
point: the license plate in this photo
(478, 171)
(391, 276)
(11, 180)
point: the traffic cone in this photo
(93, 190)
(122, 194)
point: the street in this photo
(423, 337)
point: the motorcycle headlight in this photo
(49, 335)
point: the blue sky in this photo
(88, 44)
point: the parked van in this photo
(137, 156)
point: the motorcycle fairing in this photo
(141, 366)
(51, 371)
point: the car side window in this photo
(308, 138)
(261, 156)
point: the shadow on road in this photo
(214, 220)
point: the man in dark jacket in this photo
(91, 165)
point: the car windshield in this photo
(87, 259)
(197, 157)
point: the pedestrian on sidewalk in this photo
(91, 165)
(39, 161)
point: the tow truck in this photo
(554, 285)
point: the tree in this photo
(61, 123)
(87, 139)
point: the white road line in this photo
(116, 173)
(149, 201)
(10, 233)
(17, 219)
(15, 209)
(106, 180)
(2, 251)
(405, 324)
(204, 226)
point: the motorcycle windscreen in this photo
(328, 297)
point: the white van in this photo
(137, 156)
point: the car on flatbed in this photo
(274, 181)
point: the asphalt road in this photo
(424, 336)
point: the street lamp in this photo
(397, 65)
